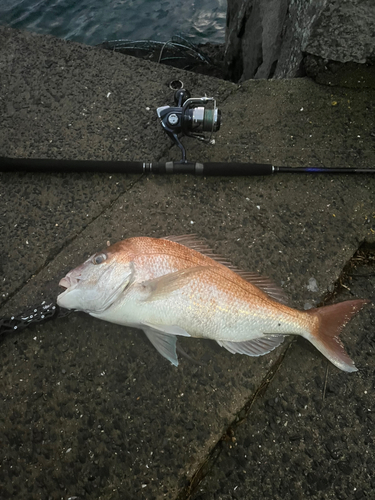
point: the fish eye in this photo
(99, 258)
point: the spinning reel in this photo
(190, 116)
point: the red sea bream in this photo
(175, 286)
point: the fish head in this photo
(98, 283)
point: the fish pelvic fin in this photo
(165, 344)
(325, 333)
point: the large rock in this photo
(341, 47)
(271, 38)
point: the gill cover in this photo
(94, 288)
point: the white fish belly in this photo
(205, 315)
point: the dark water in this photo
(94, 21)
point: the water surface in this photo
(94, 21)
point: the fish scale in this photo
(213, 307)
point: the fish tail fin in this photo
(325, 332)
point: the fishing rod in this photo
(193, 117)
(170, 167)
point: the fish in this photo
(176, 286)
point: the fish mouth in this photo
(68, 282)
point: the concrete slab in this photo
(90, 409)
(66, 100)
(317, 428)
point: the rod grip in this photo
(54, 165)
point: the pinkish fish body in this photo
(176, 286)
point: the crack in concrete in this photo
(363, 254)
(228, 435)
(54, 253)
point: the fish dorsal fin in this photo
(257, 347)
(165, 344)
(192, 242)
(265, 284)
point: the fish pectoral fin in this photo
(167, 329)
(164, 343)
(257, 347)
(159, 288)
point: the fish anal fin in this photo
(261, 282)
(255, 347)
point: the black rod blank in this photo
(173, 167)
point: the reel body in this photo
(190, 116)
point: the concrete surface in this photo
(312, 437)
(91, 410)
